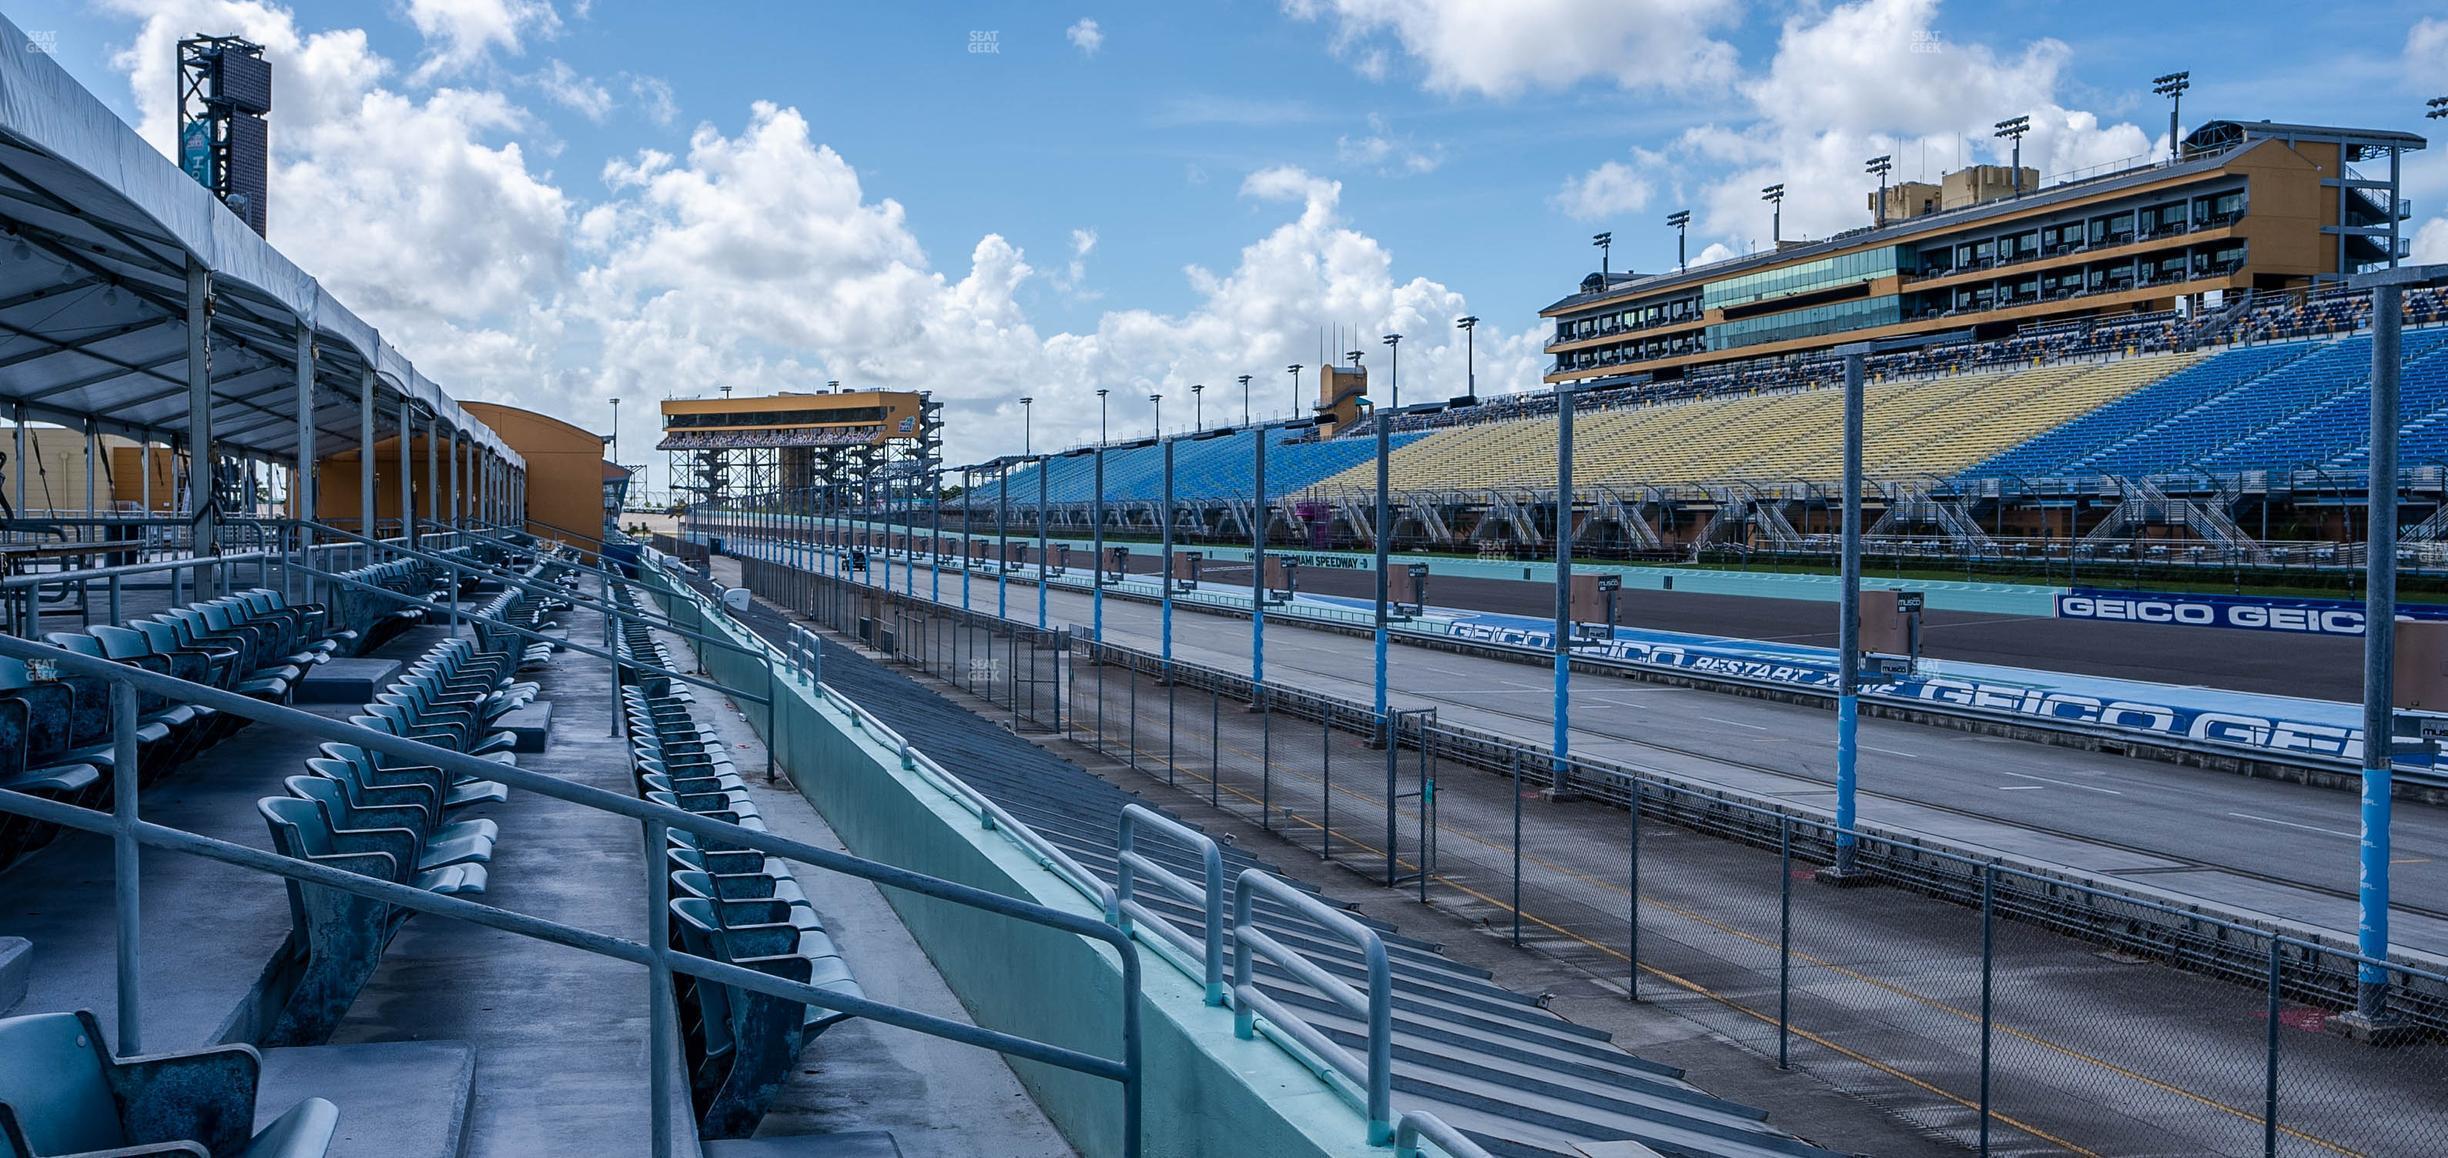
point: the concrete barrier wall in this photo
(1207, 1092)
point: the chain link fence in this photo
(2012, 1012)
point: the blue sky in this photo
(555, 202)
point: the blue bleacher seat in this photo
(63, 1093)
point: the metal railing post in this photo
(661, 1005)
(125, 868)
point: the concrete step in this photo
(853, 1144)
(397, 1099)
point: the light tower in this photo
(1680, 219)
(1028, 424)
(1294, 370)
(1394, 376)
(2012, 129)
(1606, 247)
(1198, 406)
(2172, 86)
(1878, 166)
(1470, 356)
(1774, 195)
(1245, 400)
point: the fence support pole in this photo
(1988, 1020)
(1784, 941)
(2269, 1064)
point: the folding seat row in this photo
(62, 1092)
(734, 904)
(391, 819)
(56, 737)
(372, 613)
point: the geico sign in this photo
(2299, 618)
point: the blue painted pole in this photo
(2379, 658)
(1096, 589)
(968, 505)
(1003, 541)
(1167, 540)
(1848, 622)
(935, 535)
(1258, 544)
(1559, 774)
(1378, 532)
(1045, 574)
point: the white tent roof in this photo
(93, 298)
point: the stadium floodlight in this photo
(1157, 400)
(1878, 167)
(616, 428)
(1470, 356)
(1028, 423)
(1680, 219)
(2436, 108)
(1245, 400)
(1294, 370)
(1101, 437)
(1774, 195)
(1394, 376)
(2012, 129)
(1606, 249)
(2172, 85)
(1198, 406)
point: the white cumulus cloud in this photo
(1085, 36)
(1501, 49)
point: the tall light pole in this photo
(1294, 370)
(1157, 401)
(2012, 129)
(1606, 250)
(1848, 611)
(1559, 773)
(1680, 220)
(1394, 377)
(1198, 406)
(1877, 167)
(616, 429)
(1096, 515)
(1469, 325)
(1245, 400)
(1774, 195)
(2172, 86)
(1028, 424)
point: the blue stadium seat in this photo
(63, 1093)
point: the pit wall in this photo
(1944, 594)
(1207, 1093)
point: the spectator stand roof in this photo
(100, 228)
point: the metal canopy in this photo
(100, 229)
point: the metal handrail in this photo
(1209, 897)
(991, 815)
(127, 831)
(1418, 1124)
(1376, 1075)
(124, 570)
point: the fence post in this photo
(1988, 1020)
(1784, 940)
(1517, 845)
(1326, 783)
(1266, 758)
(1632, 919)
(2269, 1075)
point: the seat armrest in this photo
(304, 1132)
(205, 1096)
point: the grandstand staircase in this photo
(1506, 517)
(1912, 505)
(1752, 511)
(1612, 509)
(2146, 504)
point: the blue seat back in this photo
(52, 1077)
